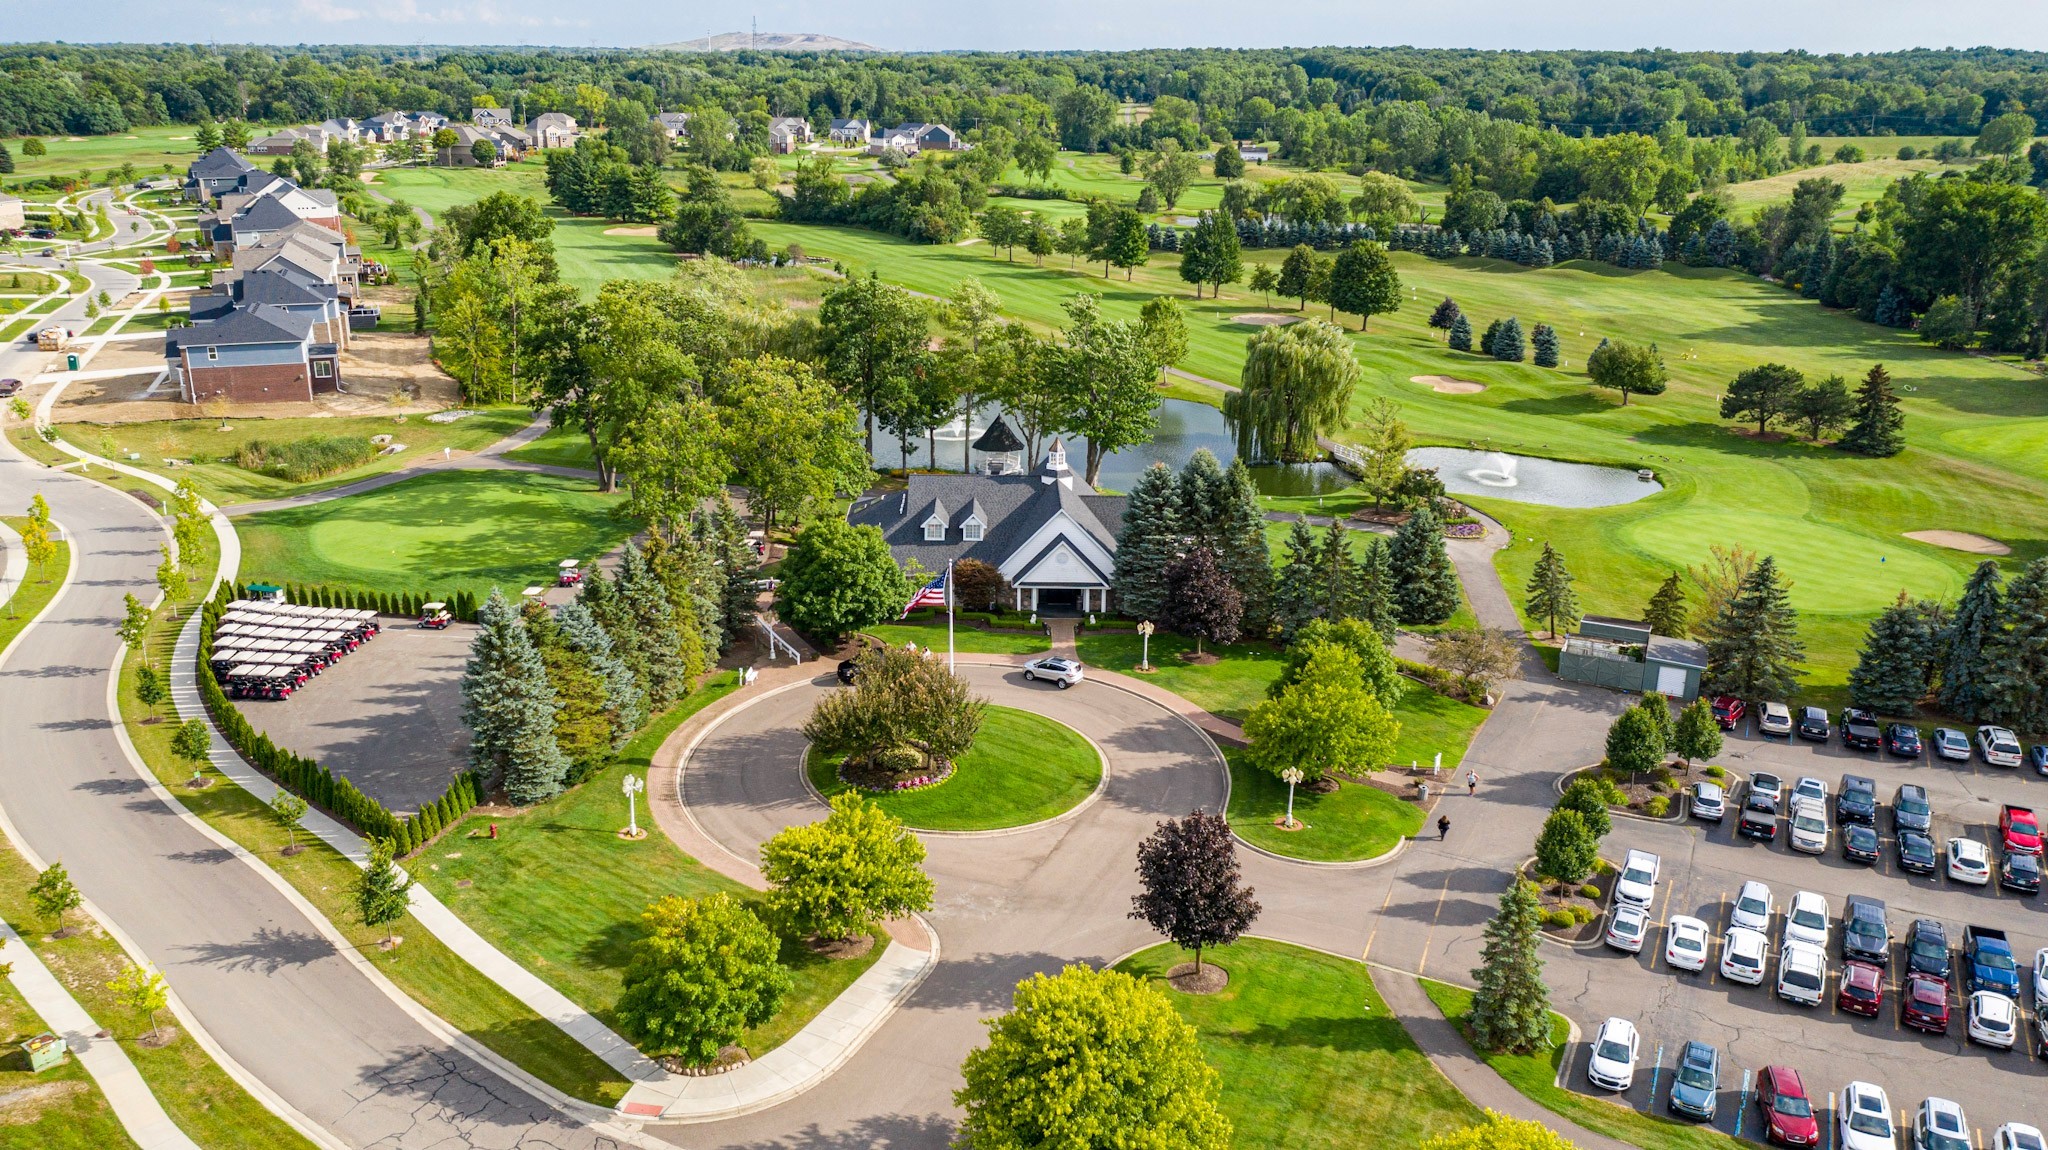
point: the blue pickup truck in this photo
(1989, 958)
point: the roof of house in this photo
(672, 120)
(220, 164)
(265, 214)
(999, 438)
(257, 323)
(1012, 508)
(854, 122)
(281, 283)
(559, 120)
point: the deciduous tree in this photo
(1631, 369)
(1698, 735)
(286, 809)
(382, 892)
(1191, 889)
(1296, 385)
(1364, 281)
(899, 699)
(839, 578)
(1500, 1132)
(1104, 372)
(1634, 742)
(1201, 602)
(1486, 656)
(1822, 407)
(143, 991)
(841, 876)
(702, 972)
(54, 895)
(1326, 720)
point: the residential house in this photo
(1049, 534)
(1253, 153)
(342, 128)
(930, 136)
(905, 142)
(321, 252)
(219, 170)
(270, 204)
(284, 140)
(492, 117)
(252, 354)
(853, 131)
(675, 124)
(510, 144)
(786, 134)
(553, 130)
(388, 127)
(280, 284)
(13, 217)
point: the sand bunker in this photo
(642, 230)
(1961, 541)
(1264, 319)
(1449, 385)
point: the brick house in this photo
(252, 354)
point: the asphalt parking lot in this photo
(1704, 865)
(387, 717)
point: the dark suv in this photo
(1860, 731)
(1865, 935)
(1927, 948)
(1813, 724)
(1857, 800)
(1759, 818)
(1910, 811)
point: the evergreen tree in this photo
(1339, 574)
(1551, 596)
(1486, 340)
(648, 626)
(1964, 692)
(1149, 544)
(1202, 491)
(723, 536)
(1543, 338)
(1246, 557)
(1297, 591)
(1511, 1005)
(1753, 649)
(510, 708)
(1461, 334)
(1890, 675)
(2016, 655)
(1508, 344)
(1445, 313)
(1721, 244)
(1427, 583)
(6, 161)
(1667, 613)
(1879, 427)
(1819, 258)
(624, 699)
(1377, 601)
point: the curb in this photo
(1683, 803)
(1596, 942)
(1381, 859)
(1088, 800)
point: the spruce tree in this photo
(1427, 583)
(1964, 691)
(1667, 613)
(1461, 334)
(1551, 596)
(1148, 546)
(1486, 341)
(1511, 1007)
(1445, 314)
(2016, 655)
(1543, 339)
(1508, 345)
(647, 624)
(510, 708)
(1753, 649)
(1377, 592)
(1247, 559)
(1202, 491)
(1890, 676)
(1338, 569)
(624, 698)
(693, 578)
(723, 535)
(1879, 428)
(1297, 590)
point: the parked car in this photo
(1916, 853)
(1910, 811)
(1685, 943)
(1988, 962)
(1927, 949)
(1860, 843)
(1759, 818)
(1969, 861)
(1767, 785)
(1774, 719)
(1813, 724)
(2037, 758)
(2017, 1136)
(1786, 1110)
(1939, 1125)
(9, 387)
(1810, 788)
(2020, 873)
(1696, 1087)
(1613, 1064)
(1902, 740)
(1862, 989)
(1806, 919)
(2019, 829)
(1999, 746)
(1626, 927)
(848, 670)
(1061, 673)
(1709, 801)
(1860, 731)
(1864, 1118)
(1752, 906)
(1638, 882)
(1809, 827)
(1951, 744)
(1923, 1003)
(1994, 1020)
(1802, 973)
(2041, 980)
(1743, 952)
(1857, 800)
(1728, 711)
(1866, 932)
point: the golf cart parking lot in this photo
(1702, 867)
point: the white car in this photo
(1637, 885)
(1939, 1125)
(1743, 954)
(1685, 943)
(2000, 747)
(1613, 1064)
(1865, 1118)
(1806, 919)
(1626, 927)
(1950, 744)
(1774, 719)
(1802, 973)
(1809, 787)
(1061, 673)
(1809, 826)
(2017, 1136)
(1994, 1020)
(1969, 861)
(1752, 907)
(2041, 981)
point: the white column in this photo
(1034, 600)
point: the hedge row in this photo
(309, 780)
(461, 604)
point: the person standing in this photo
(1471, 782)
(1443, 827)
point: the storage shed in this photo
(1625, 655)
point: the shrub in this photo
(301, 460)
(1658, 807)
(1715, 773)
(1602, 866)
(1590, 891)
(1559, 919)
(1584, 914)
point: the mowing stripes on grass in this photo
(1024, 768)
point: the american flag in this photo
(932, 594)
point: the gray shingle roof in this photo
(1012, 506)
(219, 164)
(261, 323)
(265, 215)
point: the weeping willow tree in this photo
(1297, 384)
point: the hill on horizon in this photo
(767, 42)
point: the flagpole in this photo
(949, 615)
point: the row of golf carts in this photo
(265, 649)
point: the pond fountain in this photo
(1501, 474)
(1533, 479)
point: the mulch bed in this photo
(1640, 789)
(864, 774)
(838, 948)
(729, 1058)
(1549, 898)
(1211, 979)
(1202, 660)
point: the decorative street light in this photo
(633, 785)
(1290, 776)
(1145, 632)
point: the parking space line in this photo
(1384, 903)
(1833, 1127)
(1423, 963)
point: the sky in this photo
(932, 25)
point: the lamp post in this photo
(632, 786)
(1145, 633)
(1290, 776)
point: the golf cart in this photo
(435, 616)
(570, 575)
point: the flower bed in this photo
(1465, 530)
(862, 780)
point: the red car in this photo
(1923, 1003)
(1862, 989)
(1728, 711)
(2020, 829)
(1786, 1110)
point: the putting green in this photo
(1833, 571)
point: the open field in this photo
(1024, 768)
(149, 149)
(1861, 183)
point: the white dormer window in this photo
(971, 531)
(934, 531)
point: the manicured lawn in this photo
(72, 1116)
(560, 447)
(1227, 687)
(453, 530)
(966, 637)
(1310, 1057)
(37, 588)
(203, 443)
(1023, 768)
(1356, 821)
(1535, 1075)
(438, 189)
(562, 863)
(149, 149)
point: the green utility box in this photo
(44, 1051)
(71, 362)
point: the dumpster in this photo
(44, 1051)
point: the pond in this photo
(1532, 479)
(1184, 427)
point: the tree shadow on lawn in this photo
(1728, 439)
(1574, 404)
(1356, 1034)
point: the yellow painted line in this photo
(1377, 921)
(1423, 963)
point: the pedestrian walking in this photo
(1443, 827)
(1471, 782)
